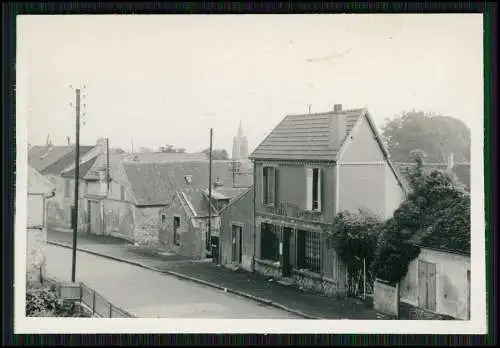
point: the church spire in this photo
(240, 130)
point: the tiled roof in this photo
(156, 183)
(41, 157)
(37, 183)
(461, 170)
(164, 157)
(197, 201)
(84, 168)
(227, 192)
(65, 161)
(305, 136)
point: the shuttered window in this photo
(309, 250)
(177, 225)
(313, 189)
(268, 185)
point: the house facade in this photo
(237, 231)
(52, 162)
(308, 169)
(40, 191)
(184, 224)
(438, 282)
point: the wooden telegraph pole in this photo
(209, 234)
(77, 179)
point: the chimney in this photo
(217, 183)
(451, 162)
(338, 130)
(337, 108)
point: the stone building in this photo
(40, 191)
(310, 168)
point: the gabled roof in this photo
(197, 202)
(237, 198)
(84, 168)
(37, 183)
(64, 161)
(226, 192)
(41, 157)
(155, 183)
(306, 137)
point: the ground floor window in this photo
(177, 225)
(309, 250)
(270, 242)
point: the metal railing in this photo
(97, 304)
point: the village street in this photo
(150, 294)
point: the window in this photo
(270, 242)
(308, 250)
(163, 217)
(313, 187)
(122, 192)
(177, 225)
(268, 185)
(67, 188)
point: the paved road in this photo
(150, 294)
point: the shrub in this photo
(43, 301)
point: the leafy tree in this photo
(354, 236)
(217, 154)
(437, 210)
(171, 149)
(435, 134)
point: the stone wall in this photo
(147, 225)
(268, 268)
(36, 243)
(409, 312)
(119, 219)
(386, 298)
(312, 282)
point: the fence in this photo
(94, 302)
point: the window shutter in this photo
(275, 193)
(263, 184)
(319, 189)
(309, 184)
(272, 185)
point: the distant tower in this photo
(240, 145)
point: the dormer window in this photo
(189, 179)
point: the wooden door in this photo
(236, 249)
(286, 270)
(427, 285)
(95, 217)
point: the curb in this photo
(193, 279)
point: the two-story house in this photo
(308, 169)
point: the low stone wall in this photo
(410, 312)
(313, 282)
(386, 298)
(35, 254)
(268, 268)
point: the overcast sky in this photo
(167, 79)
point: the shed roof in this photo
(305, 136)
(64, 161)
(197, 202)
(41, 157)
(84, 168)
(37, 183)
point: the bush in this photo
(43, 301)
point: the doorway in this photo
(287, 269)
(236, 238)
(95, 226)
(427, 285)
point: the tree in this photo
(435, 134)
(217, 154)
(437, 209)
(171, 149)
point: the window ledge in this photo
(308, 273)
(268, 262)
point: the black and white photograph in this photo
(250, 174)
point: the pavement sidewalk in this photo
(250, 285)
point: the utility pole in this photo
(210, 200)
(77, 179)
